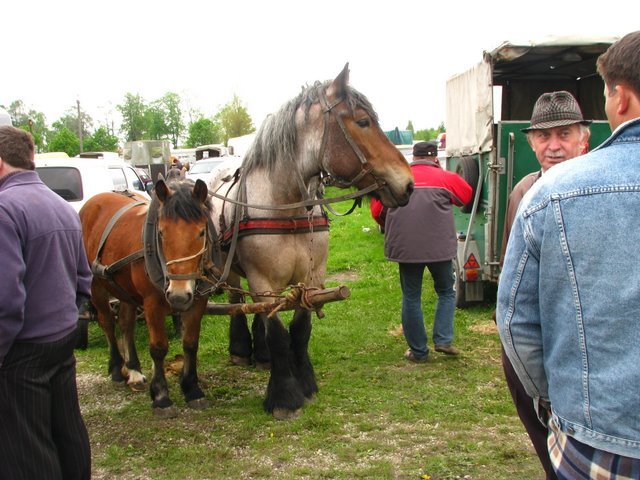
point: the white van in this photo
(78, 179)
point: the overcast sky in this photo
(400, 52)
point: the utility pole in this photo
(79, 126)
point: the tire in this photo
(468, 170)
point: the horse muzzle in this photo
(180, 297)
(399, 197)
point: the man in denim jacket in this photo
(569, 301)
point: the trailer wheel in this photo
(468, 170)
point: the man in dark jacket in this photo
(422, 235)
(45, 277)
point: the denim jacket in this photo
(569, 296)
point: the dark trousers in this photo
(538, 432)
(42, 433)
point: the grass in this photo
(376, 415)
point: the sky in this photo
(400, 53)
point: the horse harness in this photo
(302, 224)
(155, 263)
(242, 225)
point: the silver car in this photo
(202, 168)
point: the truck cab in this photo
(486, 108)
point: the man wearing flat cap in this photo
(422, 235)
(558, 132)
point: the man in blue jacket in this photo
(44, 276)
(568, 299)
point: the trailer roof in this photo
(524, 70)
(550, 58)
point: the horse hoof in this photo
(284, 414)
(167, 412)
(310, 399)
(136, 377)
(263, 366)
(240, 361)
(137, 386)
(198, 403)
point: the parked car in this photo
(406, 151)
(78, 179)
(202, 168)
(145, 178)
(227, 167)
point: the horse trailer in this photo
(486, 108)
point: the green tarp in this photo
(400, 137)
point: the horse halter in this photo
(327, 109)
(198, 274)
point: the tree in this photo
(70, 121)
(101, 141)
(154, 119)
(20, 116)
(173, 116)
(430, 133)
(409, 126)
(18, 112)
(234, 120)
(203, 132)
(133, 117)
(65, 141)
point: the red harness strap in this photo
(271, 226)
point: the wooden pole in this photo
(314, 298)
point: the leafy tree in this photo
(155, 122)
(20, 116)
(234, 120)
(173, 116)
(65, 141)
(409, 126)
(101, 141)
(203, 132)
(133, 117)
(18, 112)
(430, 133)
(70, 121)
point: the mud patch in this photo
(485, 327)
(345, 276)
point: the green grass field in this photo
(376, 415)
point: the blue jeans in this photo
(412, 317)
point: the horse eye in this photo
(202, 232)
(363, 122)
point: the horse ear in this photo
(200, 191)
(162, 191)
(160, 176)
(339, 85)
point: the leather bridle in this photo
(327, 110)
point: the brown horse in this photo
(328, 134)
(113, 225)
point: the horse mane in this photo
(276, 140)
(182, 204)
